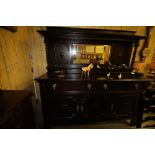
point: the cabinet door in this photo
(62, 107)
(93, 106)
(57, 53)
(123, 104)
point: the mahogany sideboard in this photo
(69, 97)
(82, 100)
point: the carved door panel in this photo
(93, 106)
(58, 53)
(62, 107)
(123, 104)
(120, 53)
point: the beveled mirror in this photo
(87, 53)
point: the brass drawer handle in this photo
(105, 86)
(112, 107)
(120, 76)
(89, 86)
(54, 86)
(82, 108)
(136, 86)
(77, 108)
(108, 76)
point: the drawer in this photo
(92, 86)
(70, 86)
(115, 86)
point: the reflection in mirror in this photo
(86, 53)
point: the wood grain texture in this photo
(151, 57)
(15, 65)
(37, 51)
(20, 52)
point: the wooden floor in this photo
(148, 123)
(112, 124)
(106, 125)
(148, 120)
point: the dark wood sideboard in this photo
(83, 100)
(72, 98)
(16, 110)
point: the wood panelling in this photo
(20, 53)
(151, 47)
(37, 55)
(15, 68)
(151, 57)
(37, 51)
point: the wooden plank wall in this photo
(152, 47)
(24, 50)
(15, 68)
(37, 51)
(20, 52)
(151, 56)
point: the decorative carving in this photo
(61, 52)
(57, 53)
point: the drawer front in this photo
(92, 86)
(109, 86)
(70, 86)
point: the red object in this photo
(152, 66)
(137, 65)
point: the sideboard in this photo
(68, 96)
(80, 100)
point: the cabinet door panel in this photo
(94, 106)
(62, 107)
(123, 104)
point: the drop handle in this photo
(105, 86)
(136, 86)
(108, 76)
(89, 86)
(112, 107)
(77, 108)
(82, 108)
(120, 76)
(54, 86)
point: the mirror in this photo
(87, 53)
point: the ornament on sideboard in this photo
(86, 70)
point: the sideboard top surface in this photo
(46, 77)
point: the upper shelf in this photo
(90, 34)
(60, 43)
